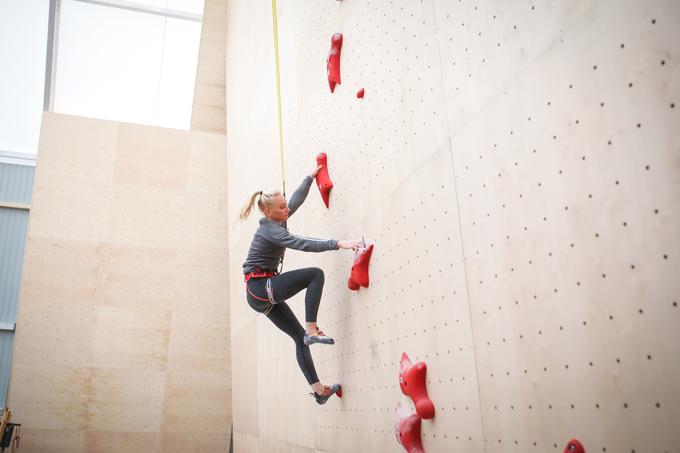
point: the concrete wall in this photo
(122, 340)
(209, 109)
(517, 166)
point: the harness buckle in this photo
(258, 274)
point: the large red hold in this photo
(412, 382)
(407, 430)
(574, 446)
(351, 284)
(333, 61)
(359, 275)
(323, 180)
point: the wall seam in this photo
(517, 76)
(460, 228)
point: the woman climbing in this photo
(267, 289)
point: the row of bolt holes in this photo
(467, 408)
(611, 317)
(597, 235)
(555, 290)
(578, 283)
(500, 175)
(674, 304)
(566, 208)
(415, 333)
(434, 436)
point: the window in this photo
(23, 38)
(124, 64)
(110, 59)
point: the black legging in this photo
(269, 295)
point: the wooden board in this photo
(516, 165)
(122, 338)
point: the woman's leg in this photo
(284, 318)
(290, 283)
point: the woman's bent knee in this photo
(318, 273)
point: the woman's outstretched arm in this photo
(301, 192)
(280, 236)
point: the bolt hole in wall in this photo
(516, 166)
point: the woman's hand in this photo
(314, 173)
(349, 244)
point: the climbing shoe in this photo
(317, 337)
(327, 393)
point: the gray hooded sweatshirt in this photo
(272, 238)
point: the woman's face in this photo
(278, 209)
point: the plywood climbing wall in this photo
(123, 326)
(517, 166)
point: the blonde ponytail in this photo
(264, 201)
(245, 211)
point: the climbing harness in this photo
(268, 287)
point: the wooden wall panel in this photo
(123, 328)
(516, 165)
(209, 108)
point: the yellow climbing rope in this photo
(278, 91)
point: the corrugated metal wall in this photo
(16, 182)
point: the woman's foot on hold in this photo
(326, 394)
(317, 336)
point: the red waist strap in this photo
(260, 274)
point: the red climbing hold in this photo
(359, 274)
(407, 430)
(323, 181)
(412, 382)
(360, 93)
(574, 446)
(333, 61)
